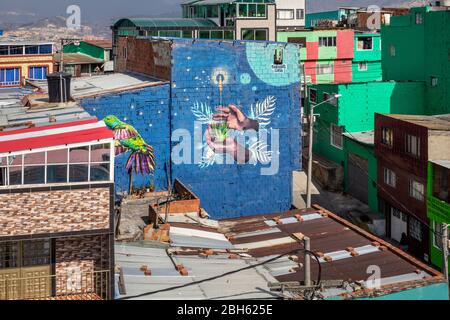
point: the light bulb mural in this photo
(220, 78)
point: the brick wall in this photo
(157, 57)
(147, 110)
(76, 259)
(27, 213)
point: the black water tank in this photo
(59, 87)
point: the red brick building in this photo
(403, 146)
(56, 217)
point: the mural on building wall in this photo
(127, 138)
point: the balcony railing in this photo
(94, 285)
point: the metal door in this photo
(358, 182)
(398, 224)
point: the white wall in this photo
(291, 4)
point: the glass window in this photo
(34, 174)
(57, 156)
(34, 158)
(56, 173)
(229, 35)
(285, 14)
(248, 34)
(325, 69)
(242, 10)
(46, 49)
(413, 145)
(386, 136)
(390, 177)
(78, 172)
(327, 41)
(31, 49)
(419, 18)
(336, 136)
(434, 81)
(437, 236)
(35, 253)
(79, 154)
(300, 14)
(392, 50)
(216, 34)
(187, 34)
(15, 176)
(260, 10)
(362, 66)
(365, 43)
(252, 10)
(15, 50)
(416, 190)
(261, 35)
(100, 153)
(415, 229)
(4, 50)
(204, 34)
(9, 255)
(313, 95)
(100, 172)
(37, 73)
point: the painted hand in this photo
(240, 154)
(235, 119)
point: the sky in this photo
(98, 11)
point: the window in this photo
(37, 73)
(285, 14)
(415, 228)
(313, 95)
(419, 18)
(46, 49)
(4, 50)
(364, 43)
(300, 14)
(434, 81)
(247, 10)
(392, 50)
(9, 77)
(390, 178)
(386, 136)
(325, 69)
(413, 145)
(29, 253)
(299, 40)
(9, 255)
(362, 66)
(15, 50)
(437, 235)
(441, 183)
(327, 41)
(254, 34)
(31, 49)
(76, 164)
(416, 190)
(336, 136)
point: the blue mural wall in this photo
(251, 79)
(259, 79)
(147, 110)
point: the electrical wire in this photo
(380, 187)
(319, 275)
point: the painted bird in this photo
(127, 138)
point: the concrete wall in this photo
(259, 23)
(292, 5)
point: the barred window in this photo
(415, 229)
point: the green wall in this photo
(87, 49)
(422, 52)
(438, 211)
(372, 57)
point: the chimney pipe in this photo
(59, 87)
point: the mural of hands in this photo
(222, 144)
(235, 118)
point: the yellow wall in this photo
(26, 61)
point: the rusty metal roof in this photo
(347, 252)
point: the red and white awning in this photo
(54, 135)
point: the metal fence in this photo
(94, 285)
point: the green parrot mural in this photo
(127, 138)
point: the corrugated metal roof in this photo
(442, 163)
(365, 137)
(76, 58)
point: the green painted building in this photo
(366, 64)
(416, 47)
(438, 205)
(342, 131)
(99, 49)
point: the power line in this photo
(378, 186)
(319, 275)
